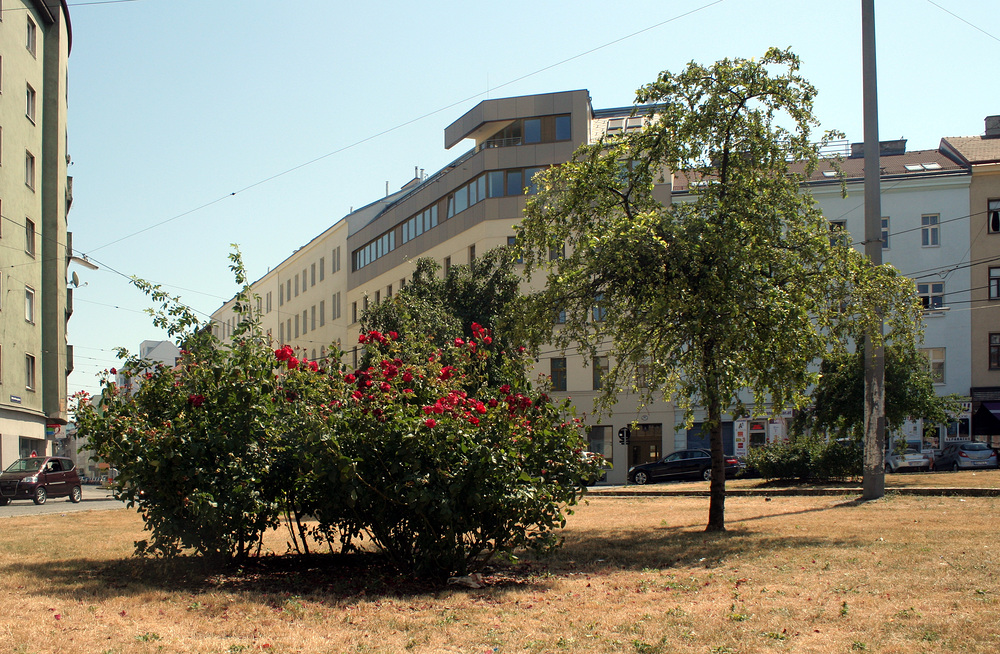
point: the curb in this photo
(776, 492)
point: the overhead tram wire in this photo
(410, 122)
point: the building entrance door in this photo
(647, 443)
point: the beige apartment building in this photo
(981, 154)
(35, 196)
(316, 296)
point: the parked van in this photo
(38, 478)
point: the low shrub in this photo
(807, 459)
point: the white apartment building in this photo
(316, 296)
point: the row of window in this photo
(310, 319)
(529, 131)
(930, 230)
(492, 184)
(309, 277)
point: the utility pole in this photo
(873, 485)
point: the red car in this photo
(38, 478)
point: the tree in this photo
(838, 399)
(484, 293)
(739, 287)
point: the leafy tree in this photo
(739, 286)
(484, 293)
(838, 399)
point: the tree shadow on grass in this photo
(353, 577)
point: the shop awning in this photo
(986, 421)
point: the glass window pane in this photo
(514, 185)
(532, 130)
(496, 183)
(563, 128)
(462, 199)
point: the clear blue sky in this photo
(174, 105)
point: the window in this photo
(512, 243)
(322, 269)
(599, 441)
(288, 290)
(935, 363)
(29, 237)
(29, 304)
(29, 170)
(558, 370)
(929, 234)
(533, 130)
(514, 184)
(931, 295)
(322, 312)
(267, 303)
(563, 132)
(29, 107)
(281, 295)
(281, 333)
(304, 287)
(305, 321)
(599, 311)
(885, 232)
(993, 216)
(312, 275)
(29, 39)
(472, 253)
(600, 368)
(29, 372)
(354, 312)
(557, 253)
(297, 325)
(335, 259)
(447, 266)
(995, 283)
(388, 291)
(297, 284)
(995, 351)
(838, 232)
(560, 318)
(335, 300)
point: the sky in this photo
(198, 124)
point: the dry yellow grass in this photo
(638, 575)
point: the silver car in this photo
(966, 456)
(910, 459)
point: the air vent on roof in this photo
(886, 148)
(916, 168)
(992, 127)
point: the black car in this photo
(682, 464)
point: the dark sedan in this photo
(682, 464)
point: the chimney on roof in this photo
(992, 127)
(885, 148)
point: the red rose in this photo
(293, 363)
(430, 422)
(196, 400)
(314, 366)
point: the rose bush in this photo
(419, 451)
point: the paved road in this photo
(94, 499)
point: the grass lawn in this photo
(637, 574)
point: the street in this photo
(94, 499)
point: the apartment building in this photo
(35, 196)
(981, 154)
(318, 294)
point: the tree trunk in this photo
(717, 488)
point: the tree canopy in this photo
(733, 287)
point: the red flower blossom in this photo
(385, 387)
(459, 342)
(196, 400)
(293, 363)
(362, 338)
(314, 366)
(113, 371)
(394, 336)
(430, 422)
(407, 376)
(349, 378)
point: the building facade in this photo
(35, 196)
(981, 154)
(317, 295)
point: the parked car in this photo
(965, 456)
(38, 478)
(910, 458)
(682, 464)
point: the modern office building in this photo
(316, 296)
(35, 196)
